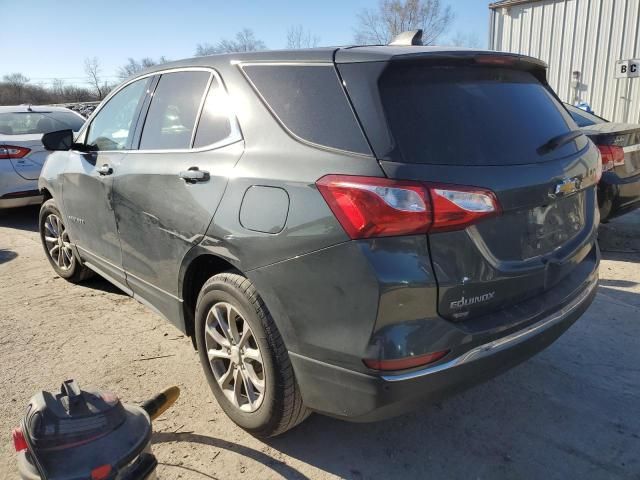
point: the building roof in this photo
(509, 3)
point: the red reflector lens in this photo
(404, 363)
(101, 472)
(612, 156)
(11, 151)
(19, 442)
(377, 207)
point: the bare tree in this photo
(134, 66)
(298, 37)
(57, 88)
(461, 39)
(15, 85)
(92, 70)
(391, 17)
(245, 41)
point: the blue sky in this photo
(50, 39)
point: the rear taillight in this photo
(612, 156)
(11, 151)
(377, 207)
(457, 207)
(19, 442)
(369, 207)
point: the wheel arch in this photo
(199, 265)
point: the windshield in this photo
(31, 123)
(471, 115)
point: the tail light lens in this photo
(404, 363)
(377, 207)
(11, 151)
(368, 207)
(458, 207)
(612, 156)
(19, 442)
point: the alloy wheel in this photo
(234, 356)
(57, 241)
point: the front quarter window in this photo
(112, 128)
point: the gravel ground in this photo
(573, 411)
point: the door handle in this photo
(194, 174)
(105, 170)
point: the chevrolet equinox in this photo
(353, 231)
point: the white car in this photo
(21, 151)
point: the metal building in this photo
(589, 45)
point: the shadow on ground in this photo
(98, 283)
(24, 218)
(216, 443)
(7, 255)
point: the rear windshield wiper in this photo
(559, 141)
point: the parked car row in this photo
(85, 109)
(352, 231)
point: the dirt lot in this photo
(571, 412)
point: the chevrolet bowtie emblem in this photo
(567, 186)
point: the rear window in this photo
(32, 123)
(582, 118)
(469, 115)
(310, 102)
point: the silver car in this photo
(21, 151)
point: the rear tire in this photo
(57, 245)
(266, 400)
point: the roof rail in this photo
(411, 37)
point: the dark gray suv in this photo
(353, 231)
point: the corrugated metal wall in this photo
(588, 36)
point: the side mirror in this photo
(58, 141)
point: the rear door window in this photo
(310, 102)
(472, 115)
(174, 110)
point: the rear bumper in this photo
(361, 397)
(16, 191)
(20, 199)
(618, 195)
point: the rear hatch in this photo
(487, 121)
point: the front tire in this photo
(245, 359)
(57, 245)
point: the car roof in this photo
(32, 108)
(342, 54)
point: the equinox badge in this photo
(464, 302)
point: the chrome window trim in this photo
(241, 66)
(234, 136)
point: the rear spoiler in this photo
(499, 59)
